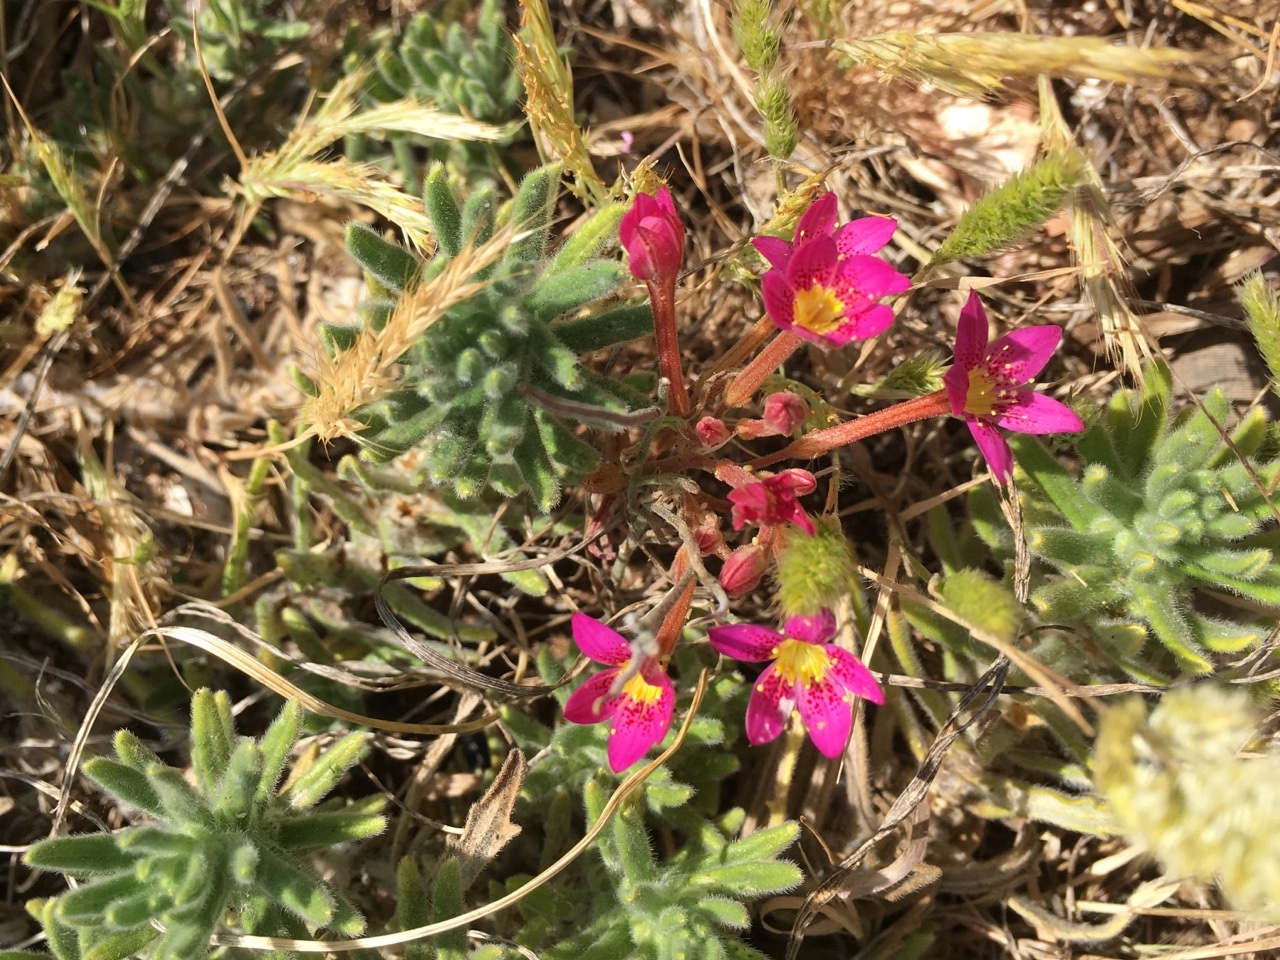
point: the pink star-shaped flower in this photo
(824, 284)
(772, 501)
(987, 385)
(818, 680)
(640, 713)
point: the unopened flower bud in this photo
(784, 412)
(712, 432)
(653, 236)
(744, 569)
(708, 536)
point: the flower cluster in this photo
(824, 285)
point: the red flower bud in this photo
(744, 569)
(712, 432)
(784, 412)
(653, 237)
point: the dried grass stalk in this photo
(367, 371)
(976, 64)
(548, 85)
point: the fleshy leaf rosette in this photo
(808, 676)
(640, 713)
(824, 284)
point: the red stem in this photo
(749, 378)
(663, 298)
(851, 431)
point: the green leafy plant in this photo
(223, 847)
(490, 393)
(1162, 513)
(686, 904)
(438, 61)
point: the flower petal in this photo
(971, 335)
(871, 277)
(865, 235)
(770, 706)
(591, 702)
(994, 448)
(637, 725)
(812, 628)
(779, 297)
(745, 641)
(773, 249)
(956, 382)
(1020, 354)
(602, 644)
(1033, 412)
(851, 672)
(812, 264)
(666, 206)
(827, 715)
(818, 221)
(872, 322)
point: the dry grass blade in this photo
(977, 64)
(909, 801)
(366, 372)
(548, 86)
(1103, 273)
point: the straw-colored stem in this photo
(842, 434)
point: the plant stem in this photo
(749, 378)
(663, 298)
(851, 431)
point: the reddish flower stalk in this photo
(749, 378)
(653, 236)
(851, 431)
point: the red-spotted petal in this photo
(824, 707)
(871, 277)
(811, 628)
(971, 334)
(640, 723)
(850, 671)
(812, 264)
(1020, 354)
(993, 446)
(592, 702)
(1032, 412)
(771, 703)
(779, 299)
(745, 641)
(864, 235)
(600, 643)
(773, 249)
(818, 221)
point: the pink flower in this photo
(824, 285)
(772, 501)
(653, 237)
(987, 385)
(816, 679)
(640, 713)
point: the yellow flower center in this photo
(818, 310)
(806, 662)
(980, 400)
(641, 690)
